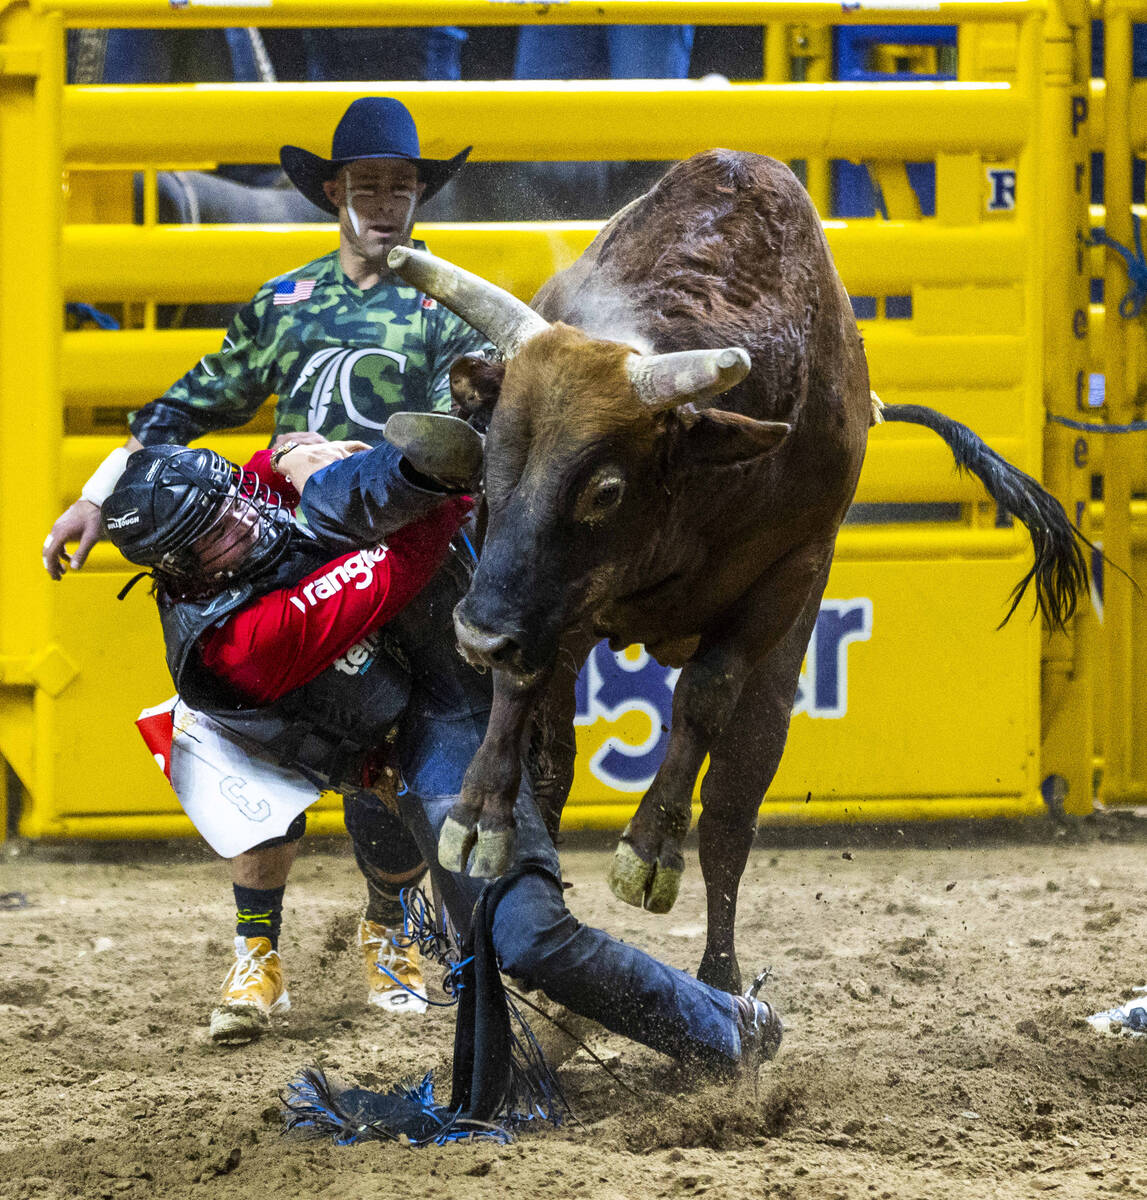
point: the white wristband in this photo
(105, 477)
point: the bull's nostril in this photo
(481, 647)
(505, 652)
(492, 648)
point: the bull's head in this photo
(580, 451)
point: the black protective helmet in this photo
(170, 496)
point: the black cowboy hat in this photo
(373, 127)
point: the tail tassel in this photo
(1059, 571)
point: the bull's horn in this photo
(503, 318)
(698, 376)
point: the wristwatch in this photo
(277, 455)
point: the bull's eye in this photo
(600, 496)
(607, 495)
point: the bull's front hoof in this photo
(455, 842)
(649, 885)
(494, 854)
(661, 894)
(629, 875)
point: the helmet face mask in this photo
(221, 550)
(194, 518)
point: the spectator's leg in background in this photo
(138, 56)
(561, 52)
(383, 53)
(570, 191)
(250, 62)
(118, 56)
(649, 51)
(444, 52)
(644, 52)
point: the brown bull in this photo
(621, 504)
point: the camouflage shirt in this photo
(338, 359)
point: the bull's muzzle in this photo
(500, 651)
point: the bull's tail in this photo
(1060, 568)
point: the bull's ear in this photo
(718, 436)
(475, 385)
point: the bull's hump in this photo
(708, 252)
(718, 245)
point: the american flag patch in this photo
(427, 302)
(291, 291)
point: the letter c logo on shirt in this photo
(337, 368)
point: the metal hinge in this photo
(50, 670)
(25, 61)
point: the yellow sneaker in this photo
(253, 992)
(381, 955)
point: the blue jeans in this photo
(537, 939)
(183, 56)
(603, 52)
(389, 53)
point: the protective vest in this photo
(326, 727)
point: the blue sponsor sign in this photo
(613, 685)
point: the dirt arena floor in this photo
(933, 981)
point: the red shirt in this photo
(284, 639)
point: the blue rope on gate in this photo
(85, 312)
(1131, 304)
(1095, 427)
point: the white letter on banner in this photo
(822, 691)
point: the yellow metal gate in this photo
(913, 704)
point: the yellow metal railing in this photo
(818, 13)
(989, 341)
(1120, 713)
(617, 119)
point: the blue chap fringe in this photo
(496, 1089)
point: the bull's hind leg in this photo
(648, 864)
(741, 767)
